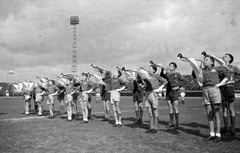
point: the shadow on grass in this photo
(132, 119)
(229, 138)
(132, 125)
(195, 132)
(168, 130)
(98, 116)
(171, 131)
(3, 113)
(141, 126)
(195, 124)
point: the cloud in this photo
(36, 36)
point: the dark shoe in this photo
(232, 132)
(183, 102)
(176, 126)
(210, 138)
(51, 117)
(171, 125)
(89, 117)
(73, 116)
(119, 125)
(85, 122)
(149, 131)
(105, 119)
(217, 139)
(115, 125)
(139, 121)
(225, 131)
(153, 131)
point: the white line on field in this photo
(124, 111)
(23, 118)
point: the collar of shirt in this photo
(207, 68)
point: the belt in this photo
(230, 85)
(230, 82)
(209, 86)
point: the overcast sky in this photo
(36, 36)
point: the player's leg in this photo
(26, 106)
(69, 110)
(119, 115)
(40, 109)
(115, 114)
(232, 118)
(225, 109)
(216, 111)
(88, 98)
(209, 112)
(230, 102)
(176, 112)
(61, 105)
(85, 111)
(150, 112)
(137, 111)
(74, 103)
(171, 113)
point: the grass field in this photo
(31, 133)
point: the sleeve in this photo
(162, 74)
(194, 75)
(121, 81)
(236, 70)
(135, 86)
(182, 79)
(55, 88)
(90, 85)
(162, 80)
(237, 74)
(223, 72)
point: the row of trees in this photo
(191, 85)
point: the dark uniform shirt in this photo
(212, 75)
(174, 79)
(154, 82)
(234, 74)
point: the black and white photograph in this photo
(119, 76)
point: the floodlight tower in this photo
(74, 21)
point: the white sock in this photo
(218, 134)
(212, 134)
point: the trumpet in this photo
(119, 69)
(124, 69)
(87, 74)
(204, 54)
(98, 68)
(185, 59)
(158, 65)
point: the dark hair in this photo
(119, 73)
(53, 82)
(174, 64)
(154, 68)
(232, 58)
(211, 58)
(107, 74)
(85, 74)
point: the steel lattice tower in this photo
(74, 21)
